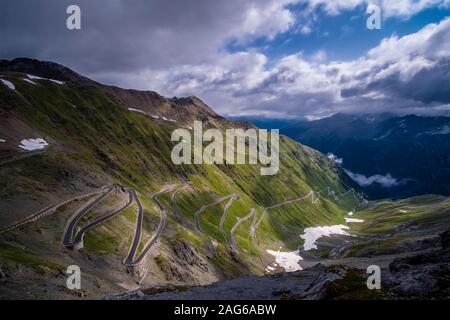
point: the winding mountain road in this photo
(78, 238)
(50, 209)
(253, 228)
(130, 261)
(198, 226)
(233, 244)
(314, 200)
(225, 214)
(69, 230)
(74, 240)
(174, 199)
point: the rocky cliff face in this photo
(424, 275)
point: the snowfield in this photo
(144, 113)
(313, 234)
(32, 77)
(9, 84)
(137, 110)
(287, 260)
(444, 130)
(352, 220)
(33, 144)
(29, 81)
(270, 268)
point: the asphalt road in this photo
(311, 194)
(78, 239)
(225, 214)
(198, 226)
(129, 261)
(256, 226)
(69, 231)
(174, 200)
(233, 244)
(47, 210)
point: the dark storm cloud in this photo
(119, 35)
(427, 85)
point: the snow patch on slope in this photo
(353, 220)
(441, 131)
(9, 84)
(33, 144)
(311, 235)
(287, 260)
(32, 77)
(384, 136)
(137, 110)
(29, 81)
(144, 113)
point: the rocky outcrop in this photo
(425, 275)
(319, 282)
(171, 270)
(185, 264)
(188, 255)
(319, 288)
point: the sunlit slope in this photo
(394, 227)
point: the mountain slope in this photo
(104, 138)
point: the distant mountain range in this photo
(389, 155)
(267, 123)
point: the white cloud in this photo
(320, 56)
(389, 77)
(334, 7)
(267, 20)
(386, 181)
(335, 159)
(305, 30)
(389, 8)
